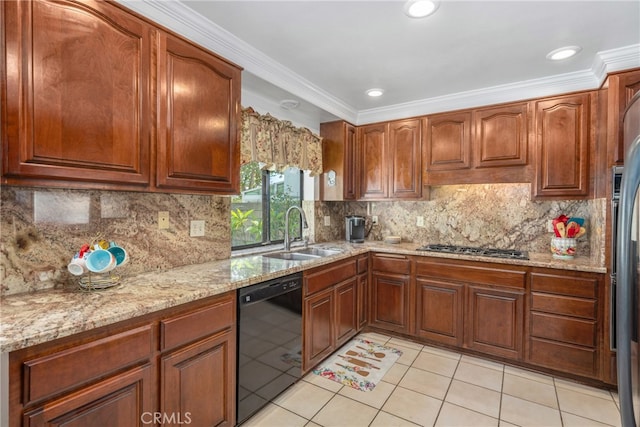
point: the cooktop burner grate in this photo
(469, 250)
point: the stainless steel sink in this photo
(319, 252)
(291, 256)
(303, 254)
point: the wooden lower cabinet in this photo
(390, 287)
(363, 291)
(346, 311)
(173, 367)
(439, 313)
(494, 321)
(330, 310)
(122, 400)
(479, 306)
(203, 375)
(565, 322)
(319, 336)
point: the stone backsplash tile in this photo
(492, 215)
(41, 229)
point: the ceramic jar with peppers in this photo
(566, 232)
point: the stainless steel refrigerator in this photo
(628, 275)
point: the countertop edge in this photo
(64, 312)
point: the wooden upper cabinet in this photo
(80, 97)
(405, 146)
(198, 135)
(448, 141)
(622, 87)
(339, 155)
(374, 155)
(562, 146)
(76, 94)
(501, 136)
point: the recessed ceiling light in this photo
(420, 8)
(563, 53)
(375, 92)
(289, 104)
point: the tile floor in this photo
(433, 387)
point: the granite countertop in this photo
(32, 318)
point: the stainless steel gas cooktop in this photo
(469, 250)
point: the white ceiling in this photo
(327, 53)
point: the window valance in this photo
(278, 144)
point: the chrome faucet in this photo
(287, 242)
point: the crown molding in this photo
(195, 27)
(535, 88)
(188, 23)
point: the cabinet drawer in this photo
(584, 287)
(563, 357)
(565, 329)
(323, 277)
(197, 324)
(391, 263)
(61, 371)
(569, 306)
(363, 264)
(471, 273)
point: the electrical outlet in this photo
(420, 221)
(163, 220)
(550, 226)
(327, 221)
(374, 219)
(197, 228)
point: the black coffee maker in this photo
(355, 228)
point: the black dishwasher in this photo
(269, 342)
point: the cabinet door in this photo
(389, 302)
(363, 300)
(448, 140)
(501, 136)
(76, 94)
(123, 400)
(374, 178)
(198, 135)
(351, 163)
(339, 155)
(319, 333)
(405, 150)
(622, 87)
(346, 321)
(198, 382)
(562, 134)
(495, 322)
(440, 311)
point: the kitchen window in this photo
(257, 214)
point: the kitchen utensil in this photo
(581, 232)
(358, 362)
(355, 369)
(375, 353)
(572, 229)
(580, 221)
(560, 229)
(353, 353)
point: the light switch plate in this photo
(374, 219)
(420, 221)
(197, 228)
(327, 221)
